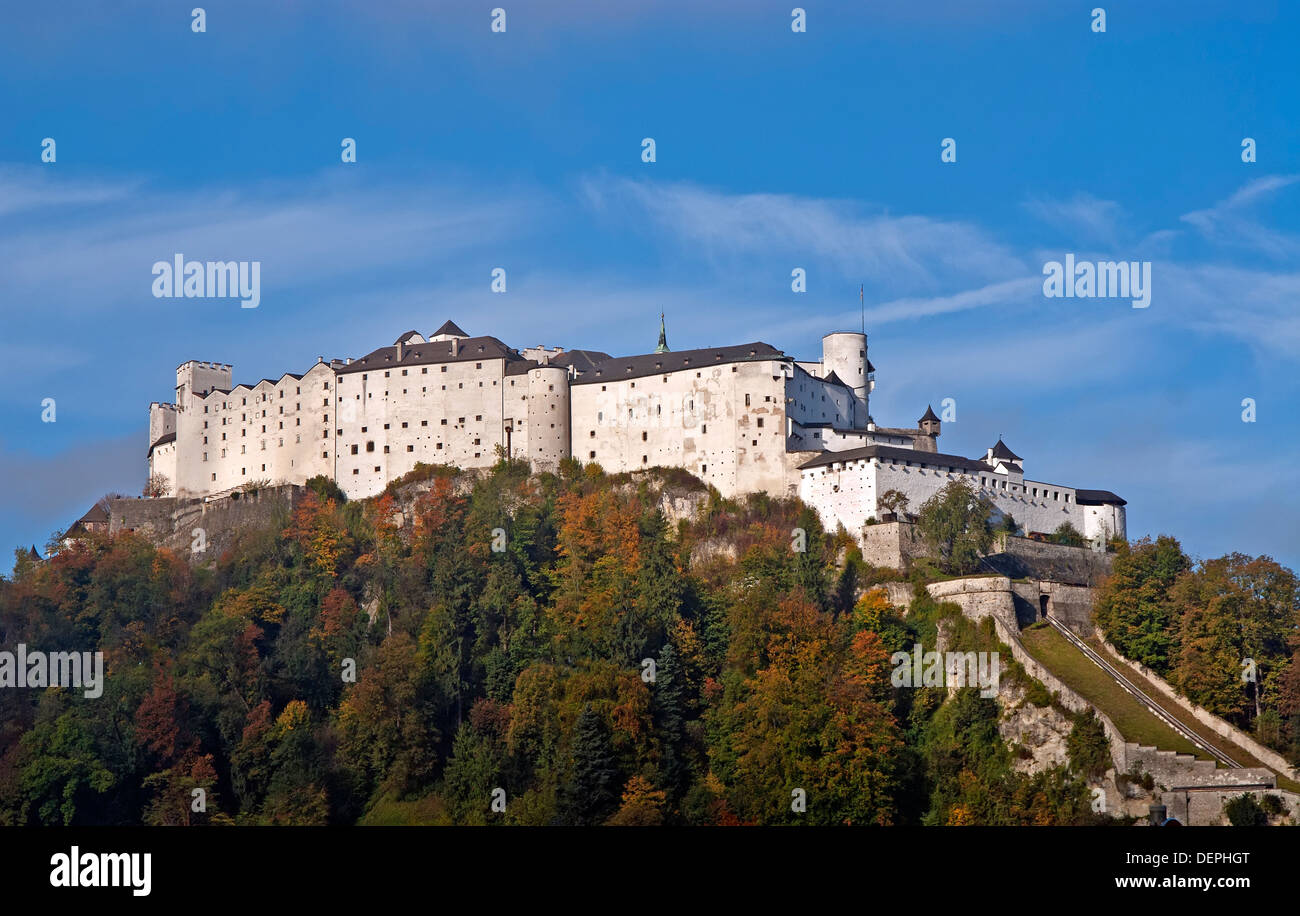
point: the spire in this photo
(929, 415)
(663, 336)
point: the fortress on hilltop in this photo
(742, 418)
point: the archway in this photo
(1042, 606)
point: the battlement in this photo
(200, 364)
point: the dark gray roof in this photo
(470, 349)
(33, 554)
(581, 360)
(450, 327)
(624, 367)
(929, 415)
(1005, 454)
(97, 513)
(162, 440)
(896, 431)
(834, 379)
(409, 334)
(1098, 498)
(888, 452)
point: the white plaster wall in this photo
(444, 413)
(277, 431)
(848, 493)
(811, 400)
(547, 423)
(696, 419)
(845, 354)
(163, 461)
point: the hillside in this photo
(517, 649)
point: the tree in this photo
(591, 794)
(668, 701)
(955, 524)
(157, 485)
(1068, 535)
(1244, 811)
(893, 502)
(1087, 745)
(643, 805)
(1134, 606)
(1237, 615)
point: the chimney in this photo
(320, 359)
(399, 351)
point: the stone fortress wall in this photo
(743, 418)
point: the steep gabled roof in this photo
(162, 440)
(450, 327)
(409, 334)
(929, 415)
(97, 513)
(1000, 451)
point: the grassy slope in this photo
(1078, 672)
(1237, 753)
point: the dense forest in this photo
(1223, 632)
(516, 648)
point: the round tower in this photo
(845, 354)
(548, 416)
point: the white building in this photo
(846, 488)
(743, 418)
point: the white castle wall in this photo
(277, 431)
(742, 426)
(847, 492)
(723, 423)
(441, 413)
(546, 429)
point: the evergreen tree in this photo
(592, 793)
(668, 702)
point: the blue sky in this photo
(775, 150)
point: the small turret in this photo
(929, 423)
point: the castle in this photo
(741, 418)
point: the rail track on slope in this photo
(1141, 696)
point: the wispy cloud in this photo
(306, 234)
(891, 252)
(1084, 217)
(1230, 222)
